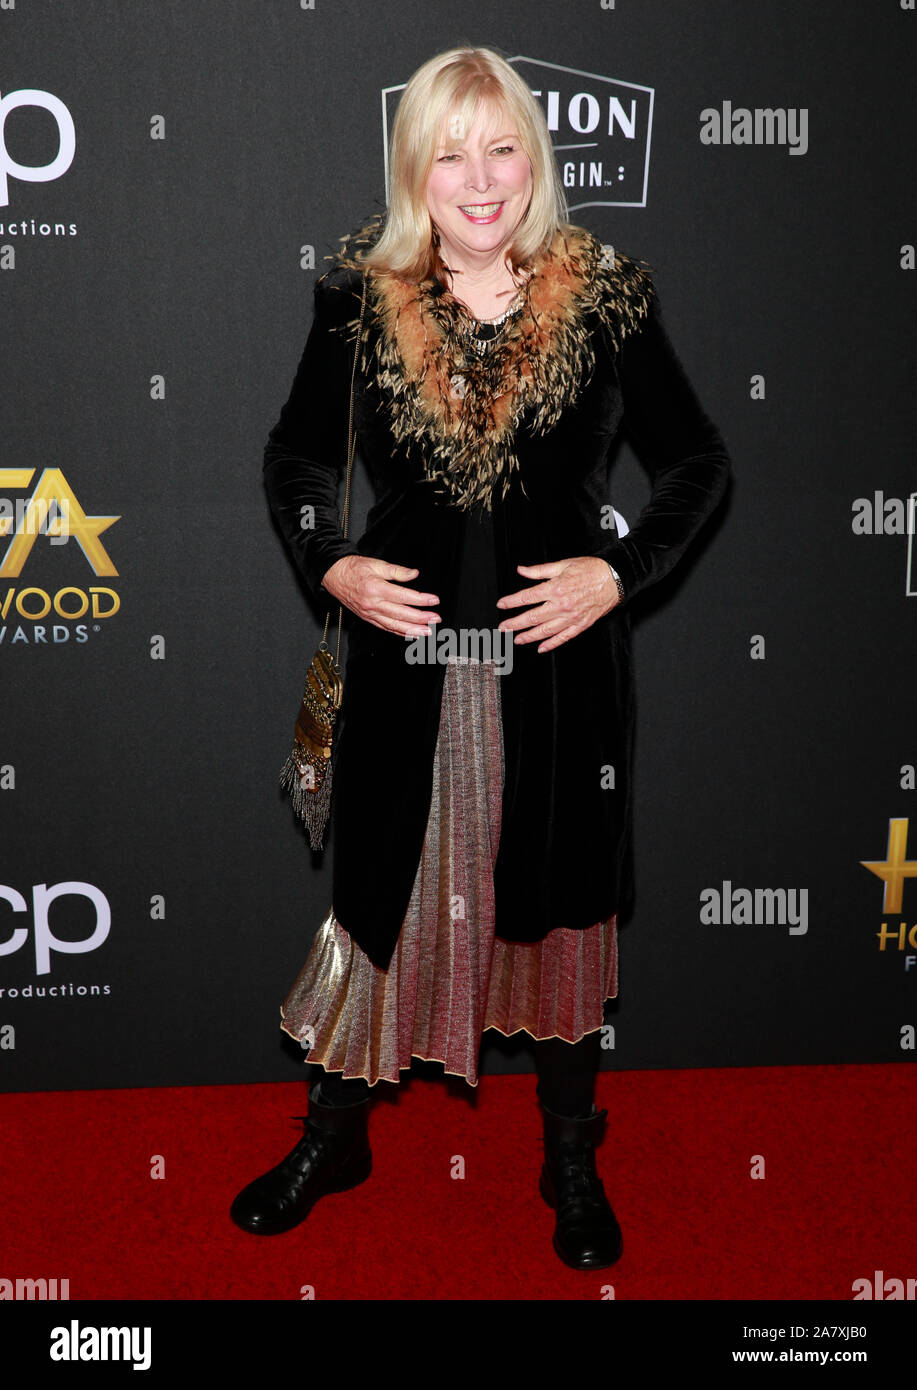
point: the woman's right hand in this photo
(368, 588)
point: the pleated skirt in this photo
(451, 978)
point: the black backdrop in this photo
(156, 297)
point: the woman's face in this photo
(479, 189)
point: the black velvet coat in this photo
(565, 852)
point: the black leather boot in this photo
(333, 1155)
(587, 1234)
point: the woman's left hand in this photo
(572, 594)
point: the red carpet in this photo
(838, 1144)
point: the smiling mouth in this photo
(480, 209)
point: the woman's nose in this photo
(478, 175)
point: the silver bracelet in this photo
(618, 581)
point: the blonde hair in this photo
(444, 94)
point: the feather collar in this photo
(463, 408)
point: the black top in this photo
(477, 587)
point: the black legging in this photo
(566, 1077)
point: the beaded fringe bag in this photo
(306, 774)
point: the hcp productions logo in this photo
(600, 128)
(898, 936)
(10, 168)
(41, 613)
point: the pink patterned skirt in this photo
(450, 977)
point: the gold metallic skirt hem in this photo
(406, 1066)
(451, 979)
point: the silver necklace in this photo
(482, 345)
(476, 348)
(479, 346)
(500, 318)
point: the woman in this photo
(482, 758)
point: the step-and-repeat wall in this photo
(171, 178)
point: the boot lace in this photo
(575, 1177)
